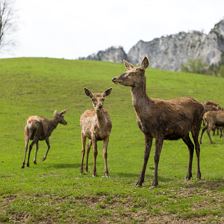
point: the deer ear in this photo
(107, 92)
(145, 63)
(128, 65)
(63, 112)
(88, 92)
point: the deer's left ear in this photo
(107, 92)
(145, 63)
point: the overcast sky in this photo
(74, 28)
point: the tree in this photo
(7, 24)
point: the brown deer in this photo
(212, 121)
(37, 129)
(162, 119)
(95, 125)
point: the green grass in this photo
(54, 191)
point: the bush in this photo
(195, 66)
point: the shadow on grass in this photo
(207, 184)
(147, 177)
(65, 165)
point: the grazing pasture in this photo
(53, 191)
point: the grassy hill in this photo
(54, 191)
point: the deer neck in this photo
(51, 126)
(140, 100)
(100, 117)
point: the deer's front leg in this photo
(83, 139)
(87, 155)
(26, 148)
(148, 145)
(35, 158)
(30, 148)
(48, 148)
(105, 145)
(95, 152)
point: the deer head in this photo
(97, 98)
(59, 116)
(134, 75)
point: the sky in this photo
(76, 28)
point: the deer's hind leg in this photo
(35, 158)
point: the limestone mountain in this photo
(170, 52)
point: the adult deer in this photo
(162, 119)
(95, 125)
(40, 128)
(212, 121)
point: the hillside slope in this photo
(54, 191)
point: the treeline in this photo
(198, 66)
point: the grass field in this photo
(54, 191)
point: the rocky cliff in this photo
(170, 52)
(112, 54)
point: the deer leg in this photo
(159, 144)
(209, 136)
(83, 139)
(195, 135)
(202, 132)
(148, 145)
(48, 148)
(105, 145)
(87, 154)
(221, 129)
(26, 148)
(95, 152)
(190, 146)
(30, 148)
(35, 158)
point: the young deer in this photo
(37, 129)
(95, 125)
(162, 119)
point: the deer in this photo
(162, 119)
(212, 106)
(95, 125)
(212, 121)
(37, 129)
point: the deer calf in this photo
(37, 129)
(95, 125)
(212, 120)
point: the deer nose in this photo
(114, 79)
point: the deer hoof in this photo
(44, 158)
(153, 187)
(154, 184)
(35, 162)
(28, 165)
(138, 184)
(23, 166)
